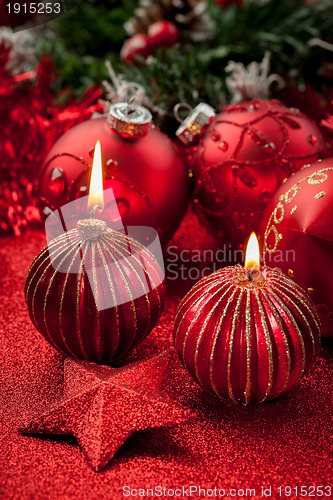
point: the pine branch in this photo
(81, 41)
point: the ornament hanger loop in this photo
(131, 106)
(135, 93)
(181, 105)
(196, 122)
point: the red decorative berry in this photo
(137, 45)
(163, 34)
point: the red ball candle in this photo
(247, 333)
(94, 293)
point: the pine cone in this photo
(189, 16)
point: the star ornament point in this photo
(103, 406)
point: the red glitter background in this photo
(287, 441)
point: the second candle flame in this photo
(96, 180)
(252, 256)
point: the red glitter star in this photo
(103, 406)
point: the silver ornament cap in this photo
(195, 124)
(129, 120)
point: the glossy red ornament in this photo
(137, 45)
(247, 340)
(144, 170)
(96, 295)
(297, 234)
(248, 151)
(163, 34)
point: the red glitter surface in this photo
(287, 441)
(103, 406)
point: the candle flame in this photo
(96, 180)
(252, 256)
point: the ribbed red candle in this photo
(247, 340)
(73, 279)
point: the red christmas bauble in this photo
(297, 234)
(163, 34)
(241, 160)
(94, 293)
(137, 45)
(148, 179)
(243, 341)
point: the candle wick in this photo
(93, 210)
(251, 275)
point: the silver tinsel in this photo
(252, 81)
(22, 53)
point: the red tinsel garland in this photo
(30, 122)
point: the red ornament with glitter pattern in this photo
(244, 340)
(297, 234)
(242, 159)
